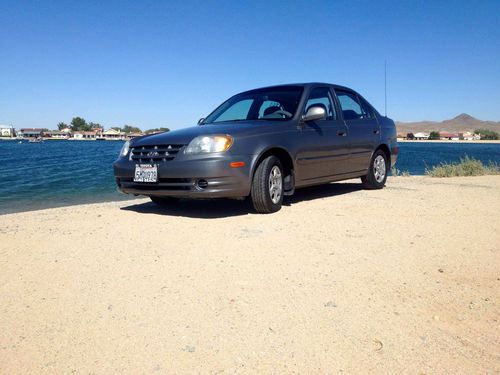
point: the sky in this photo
(168, 63)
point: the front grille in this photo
(155, 153)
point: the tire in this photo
(267, 186)
(377, 172)
(164, 201)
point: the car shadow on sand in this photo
(220, 208)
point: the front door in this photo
(324, 147)
(364, 130)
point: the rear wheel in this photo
(377, 172)
(164, 201)
(267, 186)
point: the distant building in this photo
(66, 130)
(113, 135)
(56, 135)
(7, 131)
(421, 136)
(134, 135)
(31, 133)
(83, 135)
(90, 135)
(468, 136)
(448, 136)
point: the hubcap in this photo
(379, 168)
(275, 184)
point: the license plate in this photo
(146, 173)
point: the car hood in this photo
(186, 135)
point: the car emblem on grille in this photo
(153, 154)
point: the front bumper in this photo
(181, 177)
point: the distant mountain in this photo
(461, 123)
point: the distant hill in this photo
(463, 122)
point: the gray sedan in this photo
(264, 144)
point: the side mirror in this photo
(314, 113)
(200, 121)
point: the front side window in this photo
(272, 104)
(321, 97)
(351, 109)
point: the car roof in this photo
(305, 85)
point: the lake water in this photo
(56, 173)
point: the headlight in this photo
(206, 144)
(125, 149)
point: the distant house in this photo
(448, 136)
(31, 133)
(468, 136)
(56, 135)
(66, 130)
(421, 136)
(7, 131)
(134, 135)
(113, 135)
(84, 136)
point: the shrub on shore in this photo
(396, 172)
(467, 166)
(434, 136)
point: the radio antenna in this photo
(385, 87)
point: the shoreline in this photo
(399, 140)
(53, 205)
(67, 139)
(127, 197)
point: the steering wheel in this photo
(283, 113)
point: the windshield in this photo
(272, 104)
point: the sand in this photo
(341, 280)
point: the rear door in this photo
(363, 127)
(324, 146)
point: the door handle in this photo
(376, 131)
(341, 133)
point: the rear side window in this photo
(367, 109)
(321, 96)
(351, 108)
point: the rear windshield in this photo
(272, 104)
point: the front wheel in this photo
(267, 186)
(377, 172)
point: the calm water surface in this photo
(56, 173)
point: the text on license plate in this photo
(146, 173)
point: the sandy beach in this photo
(341, 280)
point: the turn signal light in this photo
(237, 164)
